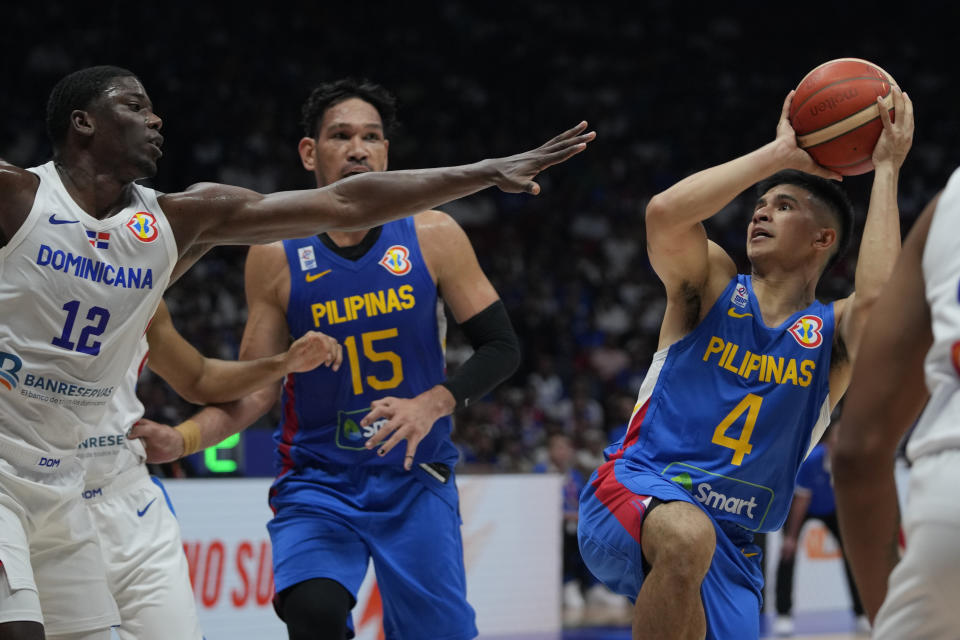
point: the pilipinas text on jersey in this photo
(384, 310)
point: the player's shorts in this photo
(330, 522)
(146, 566)
(924, 587)
(50, 556)
(611, 520)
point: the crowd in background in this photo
(666, 98)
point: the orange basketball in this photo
(834, 113)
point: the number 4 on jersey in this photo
(741, 446)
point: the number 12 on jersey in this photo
(353, 356)
(741, 446)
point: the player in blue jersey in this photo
(742, 386)
(345, 491)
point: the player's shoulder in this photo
(14, 178)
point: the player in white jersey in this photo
(139, 535)
(911, 358)
(85, 254)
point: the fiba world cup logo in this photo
(807, 331)
(396, 260)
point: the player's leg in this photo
(831, 523)
(313, 605)
(319, 560)
(20, 614)
(71, 578)
(146, 565)
(678, 541)
(424, 593)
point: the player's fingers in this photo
(569, 133)
(884, 113)
(338, 358)
(412, 443)
(568, 143)
(395, 438)
(377, 412)
(785, 111)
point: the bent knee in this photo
(680, 535)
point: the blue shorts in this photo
(611, 518)
(330, 522)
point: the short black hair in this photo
(828, 192)
(76, 91)
(329, 94)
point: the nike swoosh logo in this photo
(316, 276)
(140, 512)
(749, 555)
(734, 314)
(53, 220)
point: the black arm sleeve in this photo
(496, 355)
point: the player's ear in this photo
(826, 238)
(307, 149)
(82, 123)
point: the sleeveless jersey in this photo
(105, 450)
(83, 291)
(939, 426)
(384, 310)
(729, 411)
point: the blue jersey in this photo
(815, 477)
(729, 411)
(384, 310)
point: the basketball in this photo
(834, 113)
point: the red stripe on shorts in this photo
(626, 506)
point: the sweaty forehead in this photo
(790, 192)
(124, 85)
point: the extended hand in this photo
(310, 351)
(408, 419)
(162, 442)
(797, 158)
(897, 136)
(514, 174)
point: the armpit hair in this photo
(838, 352)
(692, 299)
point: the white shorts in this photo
(143, 552)
(48, 545)
(924, 588)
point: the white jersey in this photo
(78, 294)
(939, 426)
(105, 450)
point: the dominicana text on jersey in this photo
(384, 310)
(729, 411)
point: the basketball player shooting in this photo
(748, 370)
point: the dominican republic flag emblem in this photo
(98, 239)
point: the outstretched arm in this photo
(220, 214)
(886, 395)
(685, 261)
(204, 380)
(880, 243)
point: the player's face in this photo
(126, 130)
(784, 225)
(349, 141)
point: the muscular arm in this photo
(220, 214)
(880, 243)
(886, 395)
(202, 380)
(264, 336)
(694, 270)
(472, 299)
